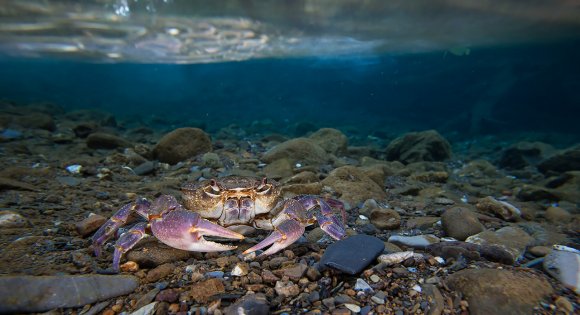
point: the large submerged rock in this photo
(182, 144)
(497, 291)
(303, 150)
(353, 185)
(331, 140)
(419, 146)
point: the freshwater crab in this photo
(227, 207)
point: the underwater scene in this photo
(289, 157)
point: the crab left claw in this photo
(298, 213)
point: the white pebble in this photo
(417, 288)
(362, 285)
(74, 169)
(352, 307)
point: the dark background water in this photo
(526, 88)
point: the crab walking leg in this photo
(184, 229)
(284, 235)
(298, 213)
(325, 215)
(107, 230)
(127, 241)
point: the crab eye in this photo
(264, 187)
(213, 190)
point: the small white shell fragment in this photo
(240, 270)
(298, 165)
(395, 258)
(249, 257)
(362, 285)
(417, 288)
(74, 169)
(352, 307)
(362, 217)
(440, 260)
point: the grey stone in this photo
(512, 239)
(353, 254)
(253, 304)
(38, 294)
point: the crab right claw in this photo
(285, 234)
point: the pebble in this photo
(295, 272)
(215, 274)
(287, 289)
(539, 251)
(240, 269)
(159, 272)
(68, 180)
(148, 309)
(375, 278)
(202, 291)
(90, 224)
(154, 253)
(9, 219)
(418, 241)
(565, 267)
(352, 307)
(251, 304)
(460, 223)
(362, 285)
(395, 258)
(564, 305)
(147, 298)
(145, 168)
(512, 239)
(28, 293)
(353, 254)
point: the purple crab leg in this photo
(284, 235)
(127, 241)
(107, 230)
(298, 213)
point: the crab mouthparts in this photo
(238, 210)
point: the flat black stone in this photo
(353, 254)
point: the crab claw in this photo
(284, 235)
(185, 230)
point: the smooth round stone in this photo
(353, 254)
(418, 241)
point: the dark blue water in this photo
(527, 88)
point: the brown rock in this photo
(501, 209)
(557, 215)
(152, 253)
(182, 144)
(460, 223)
(294, 272)
(202, 291)
(160, 272)
(419, 146)
(353, 185)
(37, 121)
(89, 225)
(512, 239)
(101, 140)
(497, 291)
(331, 140)
(303, 150)
(387, 219)
(279, 169)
